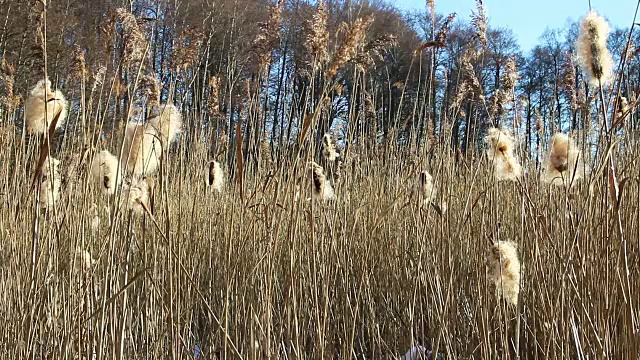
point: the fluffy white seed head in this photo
(500, 150)
(565, 163)
(167, 122)
(504, 270)
(51, 182)
(592, 48)
(142, 149)
(322, 189)
(215, 176)
(82, 260)
(105, 171)
(427, 190)
(328, 148)
(135, 196)
(42, 106)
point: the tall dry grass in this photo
(256, 272)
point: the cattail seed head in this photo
(565, 164)
(105, 170)
(142, 149)
(500, 150)
(592, 48)
(42, 106)
(95, 218)
(167, 122)
(51, 182)
(215, 176)
(623, 110)
(78, 66)
(322, 189)
(329, 149)
(150, 89)
(504, 270)
(427, 190)
(82, 261)
(135, 196)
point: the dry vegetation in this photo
(233, 226)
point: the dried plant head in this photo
(568, 79)
(105, 170)
(440, 38)
(215, 176)
(317, 41)
(78, 66)
(42, 106)
(95, 218)
(51, 183)
(98, 76)
(504, 94)
(142, 149)
(504, 270)
(150, 89)
(329, 149)
(82, 260)
(479, 22)
(167, 121)
(500, 150)
(133, 40)
(565, 164)
(268, 36)
(427, 190)
(135, 196)
(322, 189)
(213, 102)
(187, 49)
(592, 48)
(7, 74)
(623, 111)
(374, 50)
(51, 165)
(354, 38)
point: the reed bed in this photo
(234, 245)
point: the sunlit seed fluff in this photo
(417, 352)
(135, 196)
(504, 270)
(167, 122)
(565, 164)
(215, 176)
(82, 260)
(592, 48)
(95, 218)
(328, 148)
(427, 190)
(51, 182)
(322, 189)
(42, 106)
(142, 149)
(105, 171)
(500, 150)
(50, 167)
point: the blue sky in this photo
(529, 19)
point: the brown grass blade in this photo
(239, 160)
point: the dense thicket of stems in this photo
(231, 247)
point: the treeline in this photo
(271, 73)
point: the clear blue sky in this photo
(529, 19)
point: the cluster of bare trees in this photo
(265, 73)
